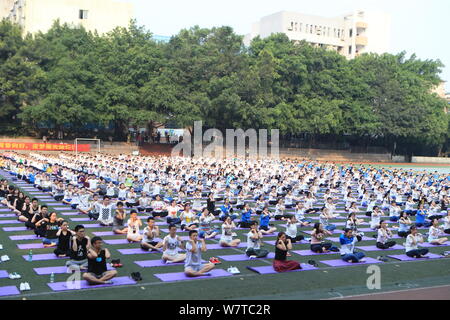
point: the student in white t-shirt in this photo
(226, 240)
(106, 212)
(435, 232)
(412, 244)
(254, 238)
(171, 246)
(193, 266)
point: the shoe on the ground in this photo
(22, 287)
(27, 286)
(381, 258)
(4, 258)
(215, 260)
(313, 263)
(1, 247)
(233, 270)
(12, 276)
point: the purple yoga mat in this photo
(270, 270)
(80, 219)
(104, 233)
(9, 222)
(57, 270)
(244, 257)
(24, 237)
(374, 248)
(404, 257)
(73, 213)
(216, 246)
(7, 215)
(180, 276)
(311, 253)
(65, 208)
(43, 257)
(429, 245)
(5, 210)
(3, 274)
(31, 246)
(342, 263)
(157, 263)
(10, 229)
(272, 242)
(364, 238)
(135, 251)
(62, 286)
(94, 225)
(117, 241)
(9, 291)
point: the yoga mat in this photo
(4, 274)
(5, 210)
(9, 291)
(104, 233)
(364, 238)
(80, 219)
(62, 286)
(270, 270)
(7, 215)
(94, 225)
(65, 208)
(243, 257)
(136, 251)
(73, 213)
(218, 246)
(9, 222)
(180, 276)
(10, 229)
(429, 245)
(31, 246)
(24, 237)
(58, 270)
(374, 248)
(272, 242)
(117, 241)
(404, 257)
(157, 263)
(43, 257)
(342, 263)
(311, 253)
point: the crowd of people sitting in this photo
(185, 192)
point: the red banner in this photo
(43, 146)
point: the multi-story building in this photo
(350, 35)
(94, 15)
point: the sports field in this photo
(324, 283)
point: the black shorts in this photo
(152, 243)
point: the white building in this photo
(350, 35)
(94, 15)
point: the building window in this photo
(83, 14)
(300, 28)
(350, 33)
(350, 50)
(296, 26)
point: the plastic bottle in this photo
(30, 255)
(52, 278)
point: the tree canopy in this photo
(74, 80)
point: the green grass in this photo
(320, 284)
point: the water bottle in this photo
(30, 255)
(52, 277)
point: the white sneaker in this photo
(18, 276)
(235, 270)
(27, 286)
(1, 247)
(22, 287)
(4, 258)
(12, 276)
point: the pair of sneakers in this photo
(215, 260)
(14, 275)
(25, 286)
(116, 263)
(233, 270)
(1, 247)
(4, 258)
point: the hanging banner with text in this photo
(43, 146)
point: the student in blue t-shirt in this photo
(420, 217)
(246, 220)
(264, 222)
(348, 254)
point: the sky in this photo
(418, 26)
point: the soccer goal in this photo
(94, 146)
